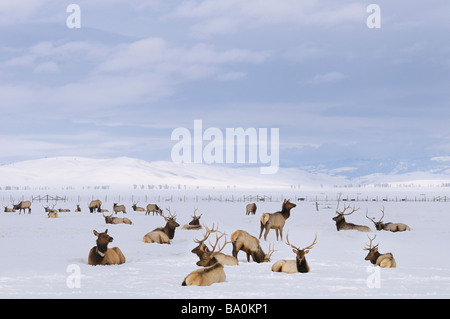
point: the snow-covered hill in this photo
(126, 173)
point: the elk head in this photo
(340, 214)
(103, 239)
(195, 219)
(208, 258)
(378, 224)
(301, 252)
(108, 218)
(373, 250)
(201, 248)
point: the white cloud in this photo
(47, 67)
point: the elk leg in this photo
(262, 228)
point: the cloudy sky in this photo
(137, 69)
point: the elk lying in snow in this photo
(205, 276)
(210, 257)
(341, 224)
(51, 212)
(242, 240)
(116, 220)
(95, 204)
(102, 255)
(119, 208)
(137, 208)
(154, 209)
(250, 209)
(297, 265)
(163, 235)
(22, 206)
(9, 210)
(63, 210)
(194, 224)
(78, 209)
(393, 227)
(383, 260)
(276, 220)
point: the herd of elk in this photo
(383, 260)
(276, 220)
(163, 235)
(393, 227)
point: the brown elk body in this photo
(153, 208)
(194, 224)
(51, 212)
(102, 255)
(250, 209)
(242, 240)
(137, 208)
(119, 208)
(383, 260)
(163, 235)
(341, 224)
(63, 210)
(205, 276)
(276, 220)
(78, 209)
(22, 206)
(116, 220)
(299, 264)
(393, 227)
(95, 205)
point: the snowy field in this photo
(47, 258)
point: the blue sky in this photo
(136, 70)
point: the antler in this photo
(313, 243)
(370, 244)
(206, 235)
(347, 207)
(367, 211)
(287, 242)
(382, 211)
(270, 253)
(213, 248)
(171, 216)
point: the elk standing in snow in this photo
(276, 220)
(297, 265)
(250, 209)
(95, 204)
(242, 240)
(102, 255)
(116, 220)
(23, 205)
(154, 209)
(383, 260)
(341, 224)
(119, 208)
(393, 227)
(194, 224)
(163, 235)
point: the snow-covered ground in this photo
(47, 258)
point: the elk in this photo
(119, 208)
(194, 224)
(383, 260)
(393, 227)
(63, 210)
(95, 204)
(276, 220)
(163, 235)
(78, 209)
(341, 224)
(299, 264)
(102, 255)
(210, 257)
(154, 209)
(116, 220)
(137, 208)
(9, 210)
(51, 212)
(242, 240)
(23, 205)
(250, 209)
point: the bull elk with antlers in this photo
(207, 256)
(194, 224)
(393, 227)
(102, 255)
(276, 220)
(51, 212)
(341, 224)
(299, 264)
(242, 240)
(383, 260)
(163, 235)
(136, 208)
(116, 220)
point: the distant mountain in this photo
(125, 172)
